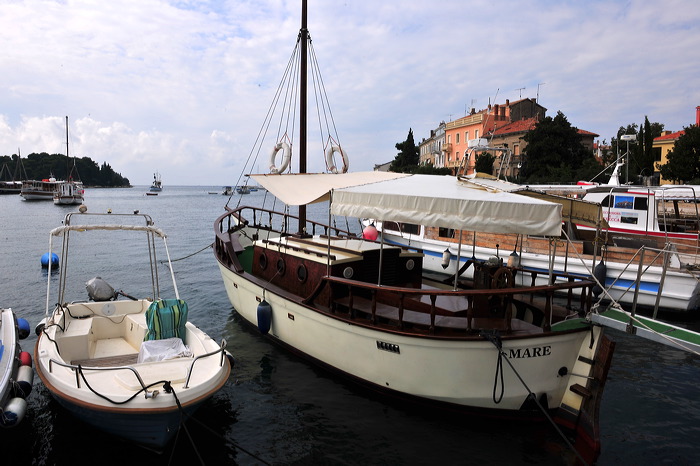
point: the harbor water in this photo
(278, 409)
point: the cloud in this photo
(182, 87)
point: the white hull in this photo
(681, 289)
(150, 421)
(37, 195)
(424, 367)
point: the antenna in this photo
(537, 100)
(521, 89)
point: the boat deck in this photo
(108, 361)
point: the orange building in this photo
(484, 124)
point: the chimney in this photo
(507, 102)
(697, 115)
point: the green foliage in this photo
(43, 165)
(641, 157)
(407, 158)
(484, 162)
(683, 161)
(554, 152)
(429, 169)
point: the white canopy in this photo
(441, 201)
(302, 189)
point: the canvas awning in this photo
(441, 201)
(302, 189)
(574, 210)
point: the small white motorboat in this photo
(132, 367)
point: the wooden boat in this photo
(132, 367)
(366, 310)
(16, 373)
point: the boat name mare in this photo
(536, 352)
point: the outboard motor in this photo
(100, 290)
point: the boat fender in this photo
(446, 258)
(599, 273)
(49, 260)
(331, 163)
(370, 232)
(514, 259)
(40, 327)
(25, 377)
(22, 328)
(286, 157)
(264, 317)
(231, 359)
(13, 412)
(25, 358)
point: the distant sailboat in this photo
(71, 191)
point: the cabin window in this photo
(281, 267)
(605, 202)
(302, 273)
(624, 202)
(446, 232)
(402, 227)
(410, 228)
(640, 203)
(263, 261)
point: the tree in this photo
(407, 158)
(484, 162)
(554, 152)
(683, 161)
(641, 156)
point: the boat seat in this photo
(166, 318)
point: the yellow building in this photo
(664, 143)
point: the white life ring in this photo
(286, 157)
(330, 162)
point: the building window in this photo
(516, 149)
(457, 138)
(466, 136)
(476, 134)
(449, 138)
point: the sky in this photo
(183, 87)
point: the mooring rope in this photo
(190, 255)
(497, 343)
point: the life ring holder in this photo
(286, 157)
(330, 163)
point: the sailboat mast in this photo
(67, 156)
(304, 37)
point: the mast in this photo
(304, 37)
(67, 156)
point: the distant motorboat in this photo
(39, 190)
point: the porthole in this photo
(348, 272)
(281, 266)
(302, 273)
(410, 264)
(263, 261)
